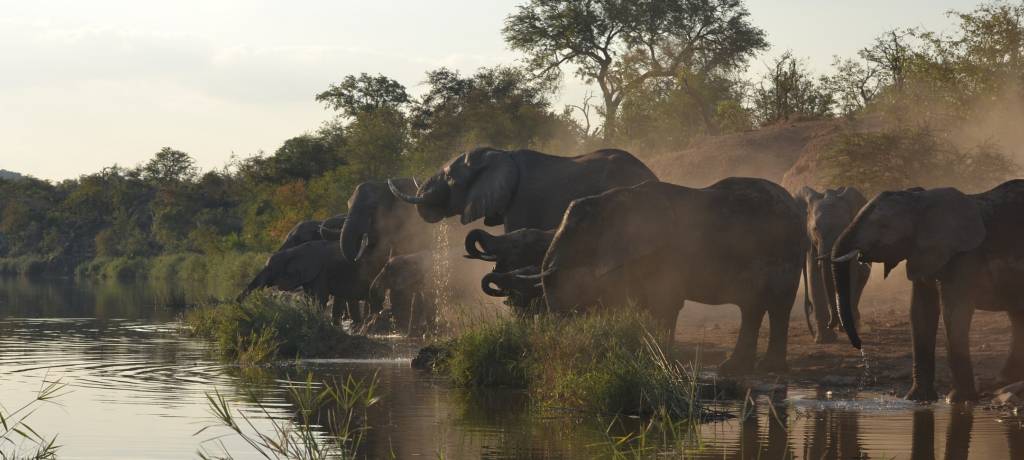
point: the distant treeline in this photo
(668, 71)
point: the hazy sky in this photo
(86, 84)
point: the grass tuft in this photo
(608, 362)
(268, 325)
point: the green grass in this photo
(330, 421)
(608, 362)
(16, 434)
(268, 325)
(196, 278)
(24, 266)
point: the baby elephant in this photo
(516, 253)
(405, 280)
(827, 215)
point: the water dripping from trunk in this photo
(867, 378)
(441, 275)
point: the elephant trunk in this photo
(477, 239)
(844, 287)
(260, 280)
(431, 199)
(357, 226)
(829, 281)
(489, 281)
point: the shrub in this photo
(907, 157)
(608, 362)
(267, 325)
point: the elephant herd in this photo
(601, 231)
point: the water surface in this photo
(137, 389)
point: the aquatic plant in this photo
(329, 421)
(15, 431)
(268, 324)
(608, 362)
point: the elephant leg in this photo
(1013, 371)
(742, 358)
(338, 306)
(775, 358)
(956, 315)
(355, 312)
(924, 324)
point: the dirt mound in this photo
(766, 153)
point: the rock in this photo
(1006, 399)
(430, 356)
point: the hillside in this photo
(784, 153)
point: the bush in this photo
(908, 157)
(607, 362)
(267, 325)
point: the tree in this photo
(170, 166)
(620, 45)
(789, 91)
(499, 106)
(365, 93)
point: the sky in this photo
(85, 85)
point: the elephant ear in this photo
(950, 223)
(804, 198)
(853, 198)
(495, 178)
(628, 240)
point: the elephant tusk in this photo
(847, 257)
(538, 276)
(411, 199)
(416, 183)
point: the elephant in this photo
(318, 269)
(520, 188)
(827, 215)
(962, 252)
(739, 241)
(389, 226)
(517, 253)
(406, 279)
(313, 230)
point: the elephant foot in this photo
(961, 396)
(772, 365)
(826, 336)
(920, 393)
(736, 366)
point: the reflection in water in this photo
(138, 391)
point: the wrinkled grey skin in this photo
(511, 253)
(404, 278)
(521, 188)
(963, 252)
(389, 226)
(313, 230)
(317, 269)
(521, 285)
(827, 215)
(739, 241)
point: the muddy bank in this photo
(711, 331)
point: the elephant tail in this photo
(808, 307)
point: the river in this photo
(137, 388)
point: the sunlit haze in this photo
(89, 84)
